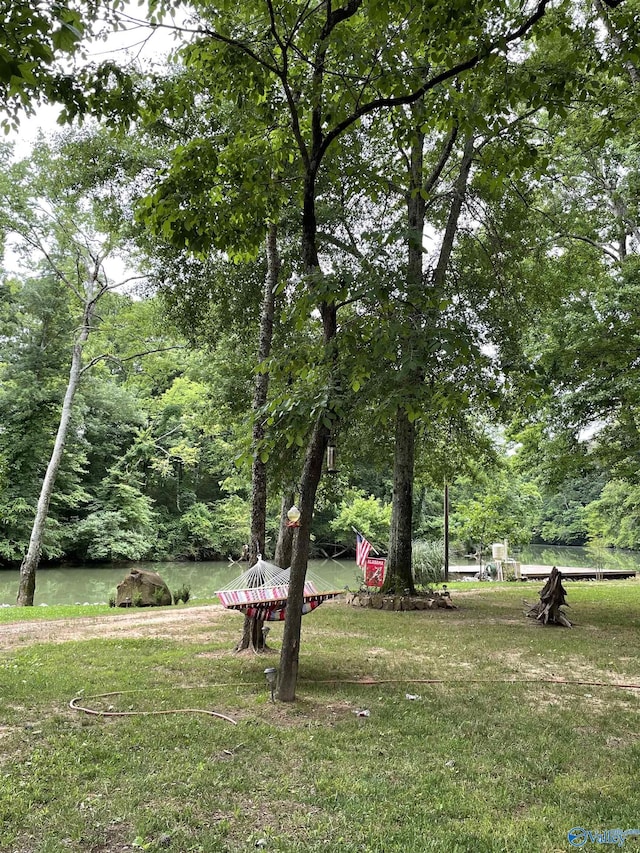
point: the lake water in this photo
(88, 584)
(565, 555)
(95, 585)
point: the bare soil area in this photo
(134, 623)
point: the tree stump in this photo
(552, 598)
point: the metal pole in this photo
(446, 532)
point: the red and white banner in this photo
(374, 571)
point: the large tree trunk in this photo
(312, 469)
(288, 675)
(399, 574)
(446, 531)
(29, 567)
(252, 635)
(312, 156)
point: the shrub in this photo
(428, 562)
(182, 594)
(367, 514)
(158, 595)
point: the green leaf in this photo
(66, 38)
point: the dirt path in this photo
(136, 623)
(133, 624)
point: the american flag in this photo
(362, 550)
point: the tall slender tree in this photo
(252, 636)
(62, 225)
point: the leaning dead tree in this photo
(552, 598)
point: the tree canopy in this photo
(454, 195)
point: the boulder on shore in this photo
(141, 588)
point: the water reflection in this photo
(91, 585)
(589, 557)
(565, 555)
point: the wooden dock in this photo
(534, 572)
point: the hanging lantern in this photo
(293, 516)
(331, 458)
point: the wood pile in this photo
(552, 598)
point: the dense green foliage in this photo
(33, 36)
(148, 461)
(529, 330)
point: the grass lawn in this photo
(474, 764)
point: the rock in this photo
(141, 588)
(379, 601)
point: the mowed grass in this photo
(492, 757)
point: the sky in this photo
(135, 44)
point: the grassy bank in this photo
(474, 764)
